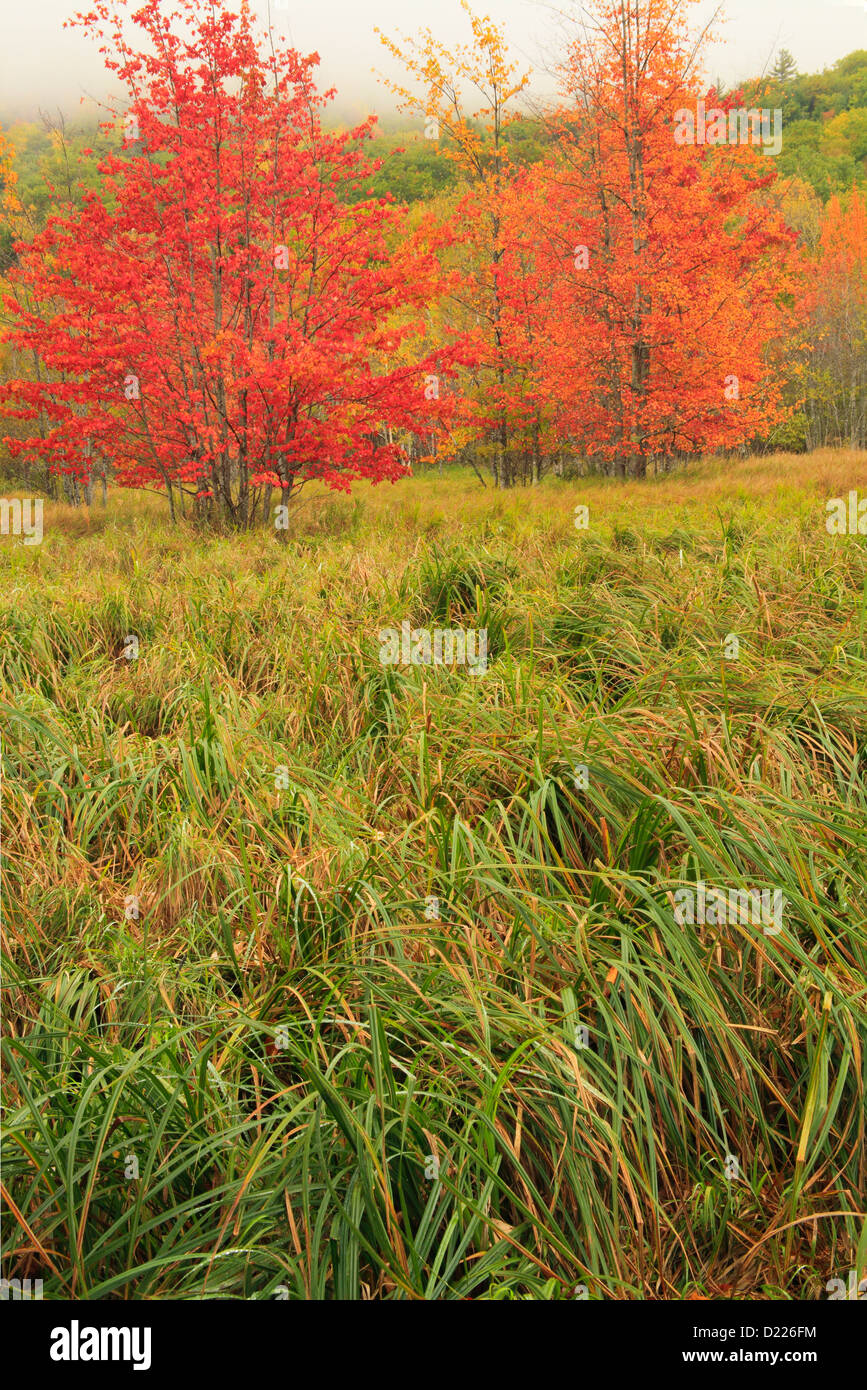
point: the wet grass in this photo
(328, 979)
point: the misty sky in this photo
(42, 64)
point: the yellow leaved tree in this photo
(467, 97)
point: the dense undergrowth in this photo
(326, 1089)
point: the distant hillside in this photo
(824, 140)
(824, 133)
(824, 121)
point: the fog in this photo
(44, 65)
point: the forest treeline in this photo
(824, 117)
(220, 294)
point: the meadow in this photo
(329, 979)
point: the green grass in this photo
(284, 1041)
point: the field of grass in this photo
(325, 1089)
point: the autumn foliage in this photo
(646, 278)
(223, 320)
(233, 313)
(834, 308)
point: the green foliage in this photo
(824, 123)
(52, 165)
(415, 169)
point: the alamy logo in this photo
(736, 127)
(76, 1343)
(700, 906)
(842, 521)
(444, 647)
(20, 1289)
(857, 1289)
(22, 518)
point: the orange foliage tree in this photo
(835, 306)
(662, 274)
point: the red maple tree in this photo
(233, 312)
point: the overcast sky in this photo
(42, 64)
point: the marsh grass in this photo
(331, 1093)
